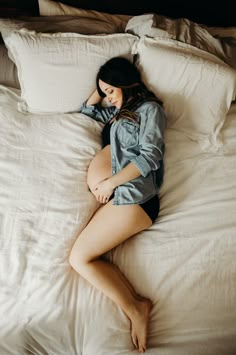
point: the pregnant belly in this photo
(100, 167)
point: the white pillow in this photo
(196, 92)
(57, 71)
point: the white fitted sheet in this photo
(185, 262)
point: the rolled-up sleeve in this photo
(152, 146)
(98, 112)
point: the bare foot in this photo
(139, 323)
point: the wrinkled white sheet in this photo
(186, 262)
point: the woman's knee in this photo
(77, 259)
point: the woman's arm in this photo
(92, 108)
(129, 172)
(94, 98)
(151, 141)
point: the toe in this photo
(135, 340)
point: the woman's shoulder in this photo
(148, 105)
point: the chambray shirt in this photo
(141, 143)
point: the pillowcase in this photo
(81, 23)
(52, 8)
(196, 92)
(57, 71)
(186, 31)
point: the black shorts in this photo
(152, 207)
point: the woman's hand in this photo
(103, 190)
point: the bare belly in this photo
(100, 167)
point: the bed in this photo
(186, 262)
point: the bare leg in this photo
(99, 169)
(98, 238)
(128, 284)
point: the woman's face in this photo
(113, 94)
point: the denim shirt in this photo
(141, 143)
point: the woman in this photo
(125, 177)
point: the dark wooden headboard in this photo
(198, 11)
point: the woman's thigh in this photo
(100, 167)
(110, 226)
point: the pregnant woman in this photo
(125, 177)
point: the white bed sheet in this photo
(186, 262)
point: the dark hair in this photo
(118, 72)
(121, 73)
